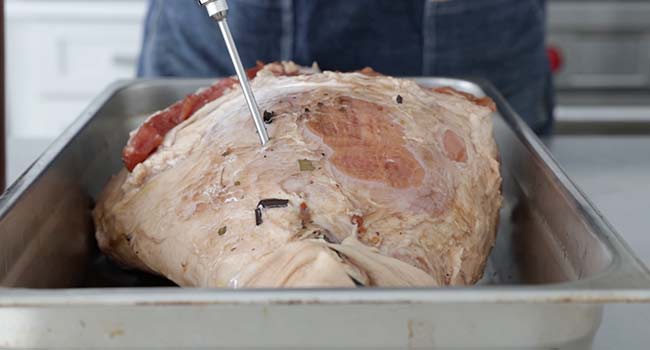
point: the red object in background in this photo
(554, 58)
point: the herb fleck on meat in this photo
(273, 203)
(306, 165)
(399, 99)
(267, 204)
(268, 117)
(222, 231)
(258, 216)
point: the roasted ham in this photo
(368, 180)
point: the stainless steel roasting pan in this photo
(556, 262)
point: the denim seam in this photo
(428, 38)
(540, 10)
(147, 45)
(454, 7)
(286, 42)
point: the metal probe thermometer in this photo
(218, 10)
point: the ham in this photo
(367, 180)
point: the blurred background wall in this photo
(61, 54)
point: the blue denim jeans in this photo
(499, 40)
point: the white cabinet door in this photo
(60, 54)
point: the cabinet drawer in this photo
(58, 60)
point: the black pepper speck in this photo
(268, 117)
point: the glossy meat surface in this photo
(380, 182)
